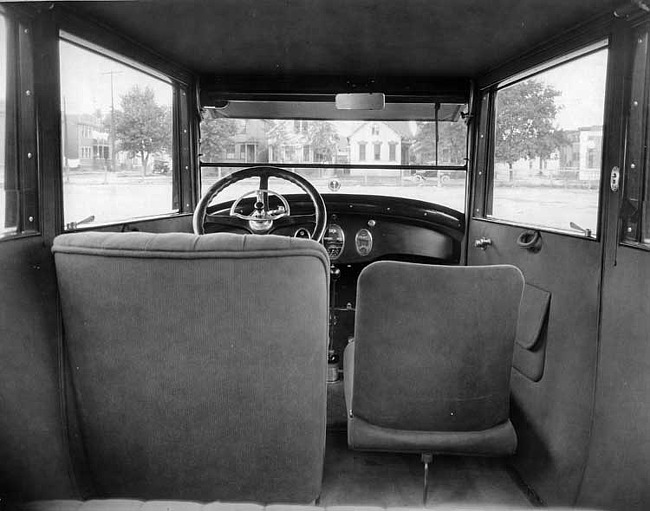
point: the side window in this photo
(635, 209)
(547, 146)
(117, 138)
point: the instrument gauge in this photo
(363, 242)
(334, 241)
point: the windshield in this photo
(421, 159)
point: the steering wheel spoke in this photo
(261, 219)
(264, 190)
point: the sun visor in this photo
(254, 109)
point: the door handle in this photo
(483, 243)
(614, 179)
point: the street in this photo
(124, 197)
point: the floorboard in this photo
(384, 479)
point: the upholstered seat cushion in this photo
(183, 245)
(429, 370)
(176, 505)
(500, 439)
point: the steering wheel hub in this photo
(262, 225)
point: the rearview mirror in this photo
(361, 101)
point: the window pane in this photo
(392, 150)
(8, 182)
(116, 137)
(444, 187)
(381, 143)
(548, 147)
(332, 142)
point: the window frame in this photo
(483, 190)
(635, 173)
(176, 87)
(410, 169)
(100, 39)
(20, 103)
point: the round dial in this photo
(334, 241)
(363, 242)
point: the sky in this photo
(582, 83)
(86, 81)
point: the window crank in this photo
(483, 243)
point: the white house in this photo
(377, 142)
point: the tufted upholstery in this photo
(198, 364)
(174, 505)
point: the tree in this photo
(452, 142)
(323, 140)
(216, 135)
(278, 135)
(143, 127)
(425, 142)
(525, 122)
(547, 144)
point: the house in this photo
(289, 141)
(382, 143)
(249, 144)
(303, 141)
(578, 158)
(590, 153)
(86, 144)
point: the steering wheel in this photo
(262, 219)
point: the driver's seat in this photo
(198, 363)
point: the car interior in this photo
(298, 255)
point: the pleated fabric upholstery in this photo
(198, 363)
(432, 358)
(171, 505)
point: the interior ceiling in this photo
(433, 38)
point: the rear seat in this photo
(178, 505)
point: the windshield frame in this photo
(411, 171)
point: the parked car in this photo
(161, 167)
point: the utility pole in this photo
(66, 165)
(112, 134)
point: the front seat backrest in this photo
(432, 358)
(198, 363)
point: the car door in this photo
(616, 475)
(537, 205)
